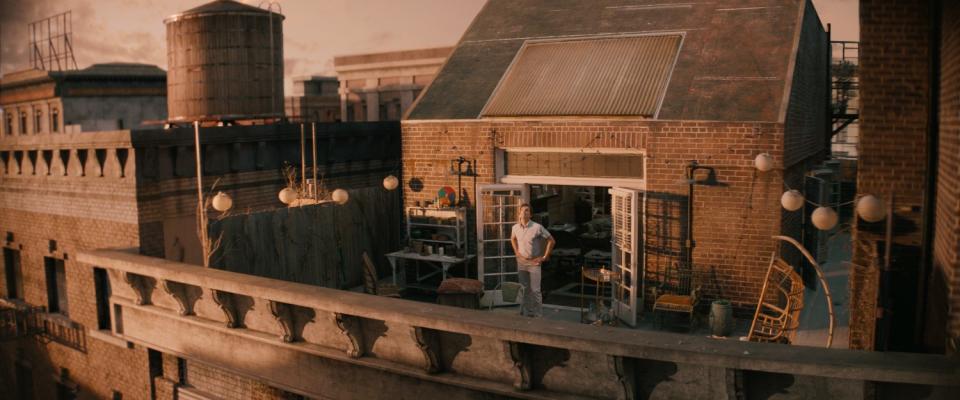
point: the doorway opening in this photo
(578, 217)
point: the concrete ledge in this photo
(684, 349)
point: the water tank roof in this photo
(218, 7)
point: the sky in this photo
(314, 30)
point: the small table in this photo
(445, 263)
(600, 277)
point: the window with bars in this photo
(586, 165)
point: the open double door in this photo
(497, 207)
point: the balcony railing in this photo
(22, 321)
(309, 339)
(19, 322)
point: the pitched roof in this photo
(732, 65)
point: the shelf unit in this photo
(425, 224)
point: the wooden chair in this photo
(778, 310)
(371, 284)
(678, 292)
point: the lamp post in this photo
(221, 202)
(691, 170)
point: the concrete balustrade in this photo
(324, 342)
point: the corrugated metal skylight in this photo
(611, 76)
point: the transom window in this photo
(573, 164)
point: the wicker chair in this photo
(678, 292)
(371, 284)
(778, 310)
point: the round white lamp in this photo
(288, 196)
(390, 182)
(763, 162)
(871, 209)
(792, 200)
(340, 196)
(824, 218)
(222, 202)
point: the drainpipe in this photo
(932, 155)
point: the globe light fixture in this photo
(340, 196)
(222, 202)
(763, 162)
(288, 196)
(390, 182)
(871, 209)
(792, 200)
(824, 218)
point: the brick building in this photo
(98, 98)
(550, 108)
(907, 299)
(65, 193)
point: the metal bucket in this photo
(721, 318)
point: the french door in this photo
(497, 208)
(626, 213)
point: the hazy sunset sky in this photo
(314, 30)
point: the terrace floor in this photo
(813, 319)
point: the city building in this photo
(383, 86)
(315, 98)
(101, 97)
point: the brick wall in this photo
(945, 282)
(748, 204)
(226, 385)
(32, 232)
(894, 96)
(806, 117)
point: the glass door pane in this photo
(496, 214)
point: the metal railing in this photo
(16, 323)
(20, 322)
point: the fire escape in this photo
(21, 321)
(845, 89)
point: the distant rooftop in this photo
(393, 56)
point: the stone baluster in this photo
(130, 164)
(57, 166)
(92, 168)
(26, 164)
(74, 164)
(111, 165)
(42, 166)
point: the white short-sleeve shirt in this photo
(531, 240)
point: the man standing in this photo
(532, 244)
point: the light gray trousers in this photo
(532, 298)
